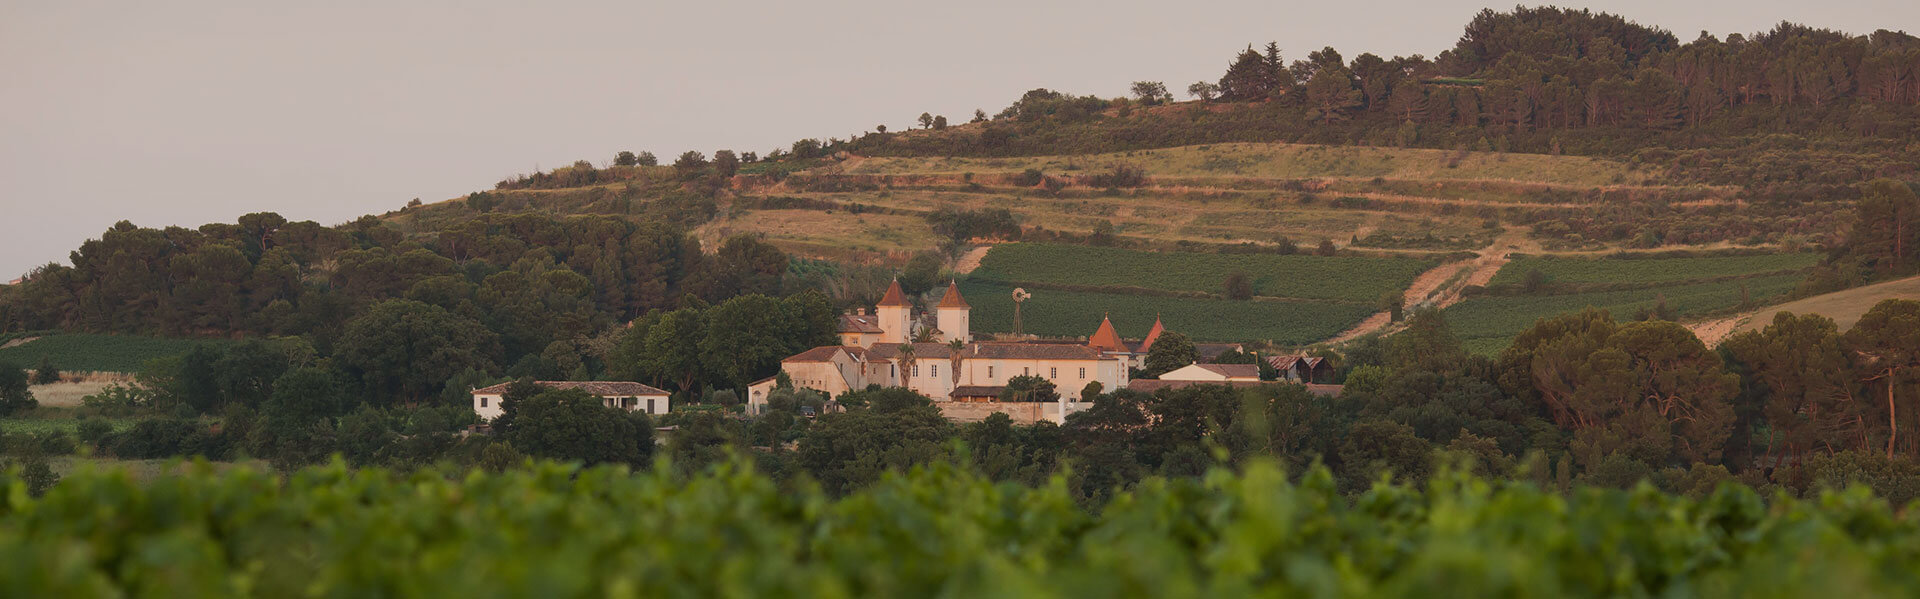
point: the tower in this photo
(895, 315)
(951, 315)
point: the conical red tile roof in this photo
(894, 297)
(1152, 334)
(952, 299)
(1105, 339)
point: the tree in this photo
(1887, 226)
(882, 129)
(1029, 388)
(1151, 93)
(46, 373)
(1889, 355)
(1428, 344)
(647, 159)
(625, 158)
(921, 273)
(926, 120)
(690, 164)
(573, 425)
(1203, 91)
(1326, 248)
(940, 122)
(1238, 286)
(1393, 303)
(1249, 79)
(899, 429)
(1796, 370)
(15, 397)
(979, 116)
(301, 398)
(1170, 352)
(1331, 93)
(725, 163)
(403, 349)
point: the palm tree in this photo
(906, 363)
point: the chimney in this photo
(860, 311)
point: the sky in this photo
(192, 111)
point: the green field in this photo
(14, 426)
(1077, 313)
(1567, 270)
(1488, 323)
(98, 353)
(1347, 278)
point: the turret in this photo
(895, 315)
(952, 315)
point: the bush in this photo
(93, 431)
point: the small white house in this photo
(1214, 372)
(629, 396)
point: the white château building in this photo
(878, 349)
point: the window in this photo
(989, 372)
(1083, 373)
(933, 370)
(1053, 373)
(649, 405)
(1026, 371)
(483, 402)
(916, 370)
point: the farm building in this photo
(629, 396)
(1302, 368)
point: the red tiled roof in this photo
(1153, 334)
(1031, 351)
(602, 388)
(859, 323)
(952, 299)
(895, 296)
(1105, 339)
(1150, 385)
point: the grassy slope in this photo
(102, 353)
(1268, 160)
(1844, 307)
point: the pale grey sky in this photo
(194, 111)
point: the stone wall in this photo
(1022, 413)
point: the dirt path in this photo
(1441, 285)
(17, 342)
(971, 259)
(1711, 332)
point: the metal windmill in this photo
(1019, 295)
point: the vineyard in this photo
(99, 353)
(1487, 323)
(1562, 270)
(1060, 313)
(553, 531)
(1345, 278)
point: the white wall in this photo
(487, 406)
